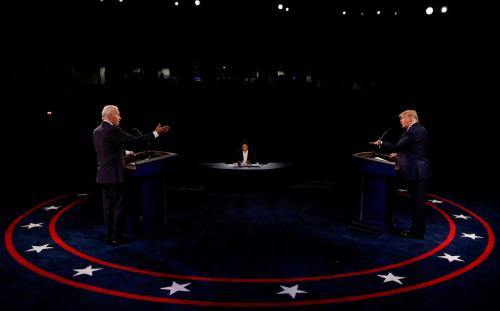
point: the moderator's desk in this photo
(252, 167)
(255, 176)
(150, 170)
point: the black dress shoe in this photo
(392, 227)
(120, 241)
(408, 234)
(113, 242)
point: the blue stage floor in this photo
(286, 247)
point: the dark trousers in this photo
(417, 191)
(113, 204)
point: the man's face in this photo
(115, 117)
(405, 121)
(244, 147)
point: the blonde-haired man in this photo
(413, 167)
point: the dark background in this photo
(365, 70)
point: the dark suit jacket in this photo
(238, 156)
(412, 153)
(108, 142)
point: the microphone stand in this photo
(379, 146)
(149, 152)
(384, 134)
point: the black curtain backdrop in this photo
(369, 70)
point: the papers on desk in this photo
(244, 165)
(382, 159)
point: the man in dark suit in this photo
(245, 155)
(413, 167)
(109, 140)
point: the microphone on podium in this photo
(383, 135)
(137, 130)
(149, 152)
(386, 131)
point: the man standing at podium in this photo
(413, 167)
(109, 140)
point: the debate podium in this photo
(376, 176)
(149, 173)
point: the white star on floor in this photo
(402, 190)
(175, 287)
(52, 207)
(292, 291)
(391, 278)
(471, 236)
(451, 258)
(434, 201)
(83, 194)
(38, 249)
(461, 216)
(88, 270)
(32, 225)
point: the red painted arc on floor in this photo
(52, 229)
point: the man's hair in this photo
(410, 113)
(107, 110)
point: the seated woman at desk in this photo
(244, 155)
